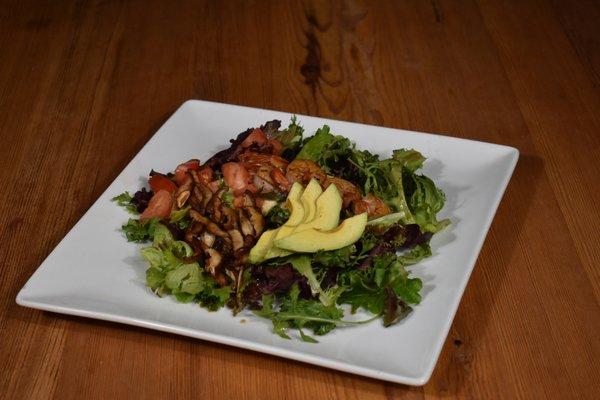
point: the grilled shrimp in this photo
(303, 171)
(237, 177)
(254, 160)
(267, 171)
(350, 193)
(372, 205)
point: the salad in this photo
(302, 230)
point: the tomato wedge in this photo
(280, 179)
(180, 175)
(159, 206)
(160, 182)
(188, 165)
(257, 136)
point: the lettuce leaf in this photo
(125, 200)
(169, 273)
(313, 148)
(410, 159)
(291, 139)
(415, 255)
(426, 201)
(384, 289)
(303, 265)
(181, 218)
(139, 231)
(394, 180)
(415, 196)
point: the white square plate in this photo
(95, 273)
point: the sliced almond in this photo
(182, 198)
(257, 220)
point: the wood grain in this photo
(83, 85)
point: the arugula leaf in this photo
(309, 313)
(125, 200)
(268, 310)
(306, 338)
(408, 289)
(389, 271)
(139, 231)
(303, 266)
(293, 312)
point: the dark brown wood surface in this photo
(83, 85)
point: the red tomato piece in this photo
(180, 175)
(161, 182)
(159, 206)
(257, 136)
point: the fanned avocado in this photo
(327, 211)
(312, 225)
(312, 240)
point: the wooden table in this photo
(83, 85)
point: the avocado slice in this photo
(275, 252)
(262, 246)
(327, 211)
(294, 204)
(312, 240)
(309, 197)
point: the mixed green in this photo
(203, 220)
